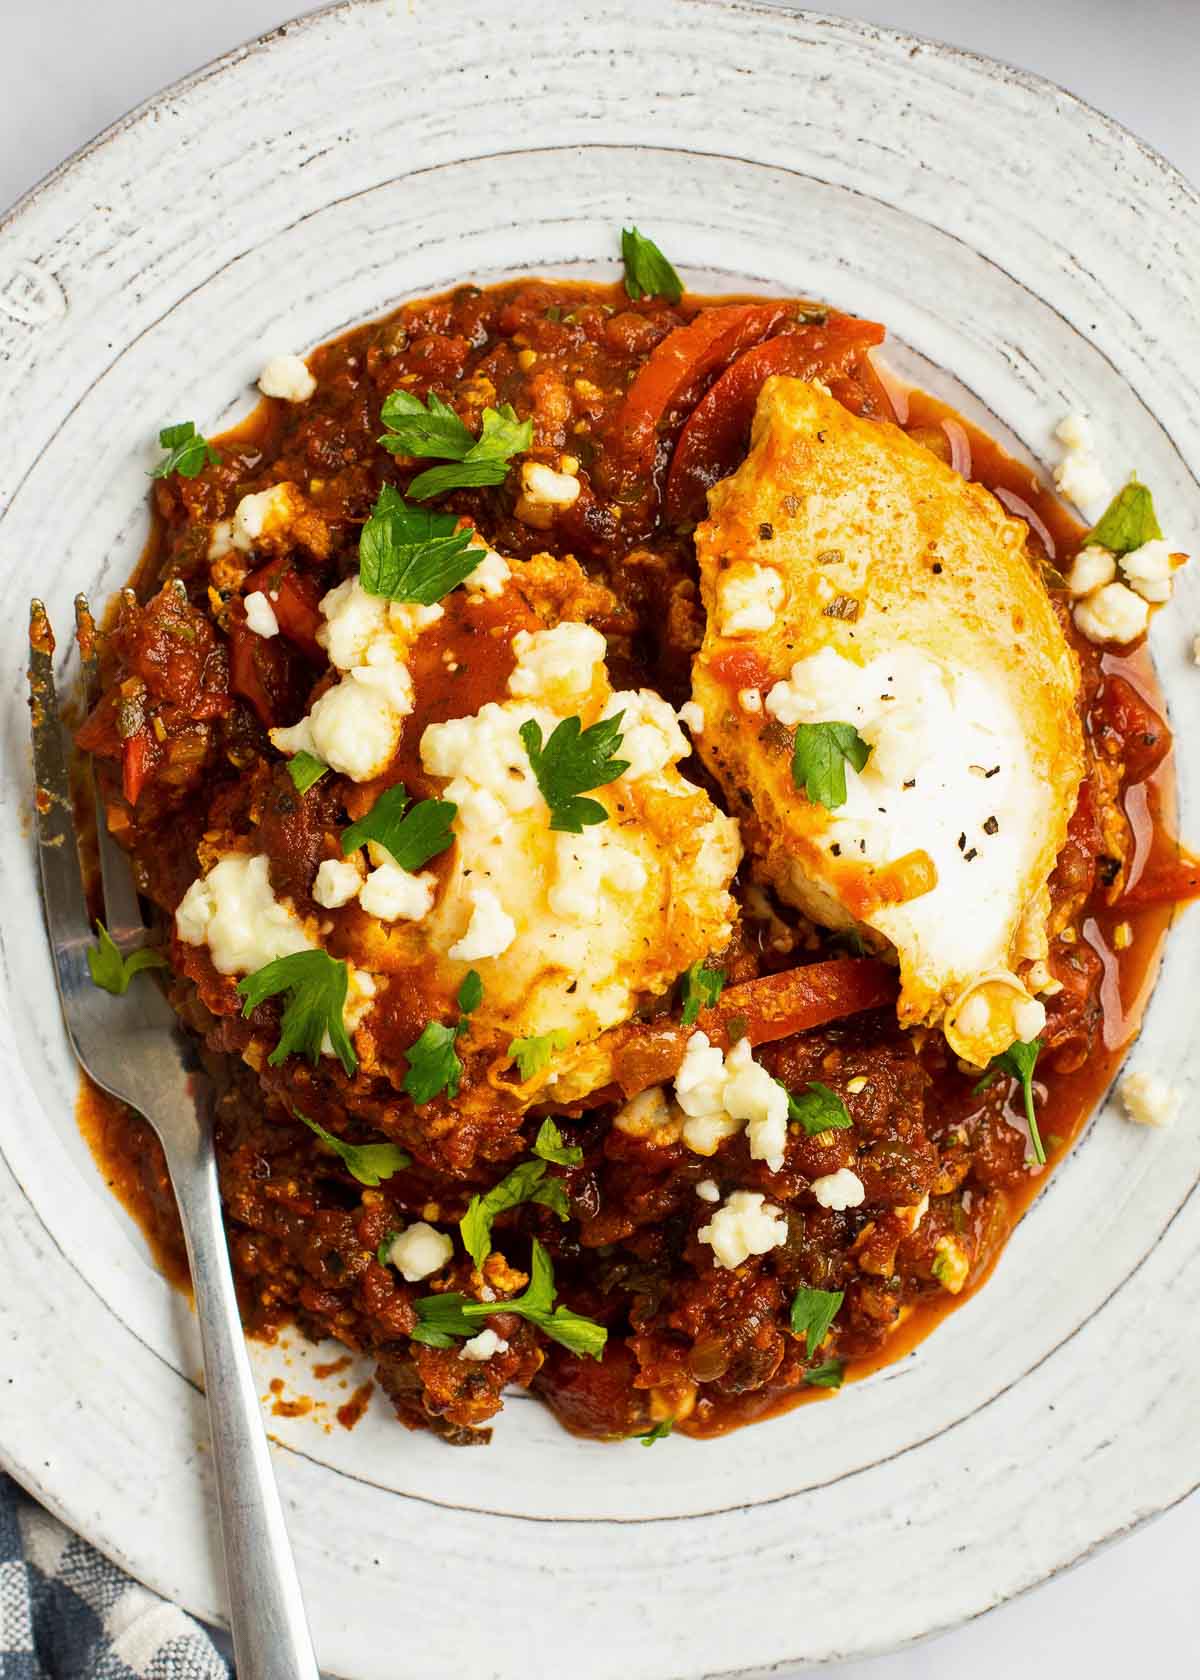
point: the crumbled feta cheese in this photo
(707, 1190)
(691, 715)
(287, 377)
(265, 516)
(1148, 570)
(393, 895)
(543, 493)
(1112, 613)
(585, 864)
(839, 1190)
(260, 614)
(338, 881)
(233, 910)
(490, 931)
(353, 727)
(485, 752)
(752, 1095)
(750, 700)
(1147, 1099)
(420, 1251)
(220, 540)
(353, 620)
(489, 576)
(722, 1095)
(1079, 476)
(748, 597)
(650, 734)
(647, 1115)
(1093, 567)
(562, 659)
(361, 991)
(483, 1346)
(747, 1224)
(409, 618)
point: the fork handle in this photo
(271, 1639)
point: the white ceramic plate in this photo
(377, 151)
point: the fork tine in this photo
(58, 858)
(122, 913)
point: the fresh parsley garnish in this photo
(701, 989)
(829, 1375)
(111, 971)
(443, 1317)
(813, 1311)
(571, 761)
(188, 453)
(658, 1432)
(410, 554)
(818, 1109)
(533, 1054)
(424, 428)
(384, 1252)
(411, 838)
(525, 1183)
(819, 757)
(1127, 522)
(550, 1146)
(305, 768)
(647, 271)
(370, 1163)
(1019, 1061)
(433, 429)
(314, 987)
(433, 1061)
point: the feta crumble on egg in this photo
(260, 614)
(287, 377)
(419, 1251)
(563, 659)
(490, 931)
(748, 597)
(394, 895)
(1147, 1099)
(839, 1190)
(746, 1224)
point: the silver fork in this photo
(134, 1048)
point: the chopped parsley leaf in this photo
(1127, 522)
(1019, 1061)
(571, 761)
(647, 271)
(410, 838)
(433, 1062)
(188, 453)
(550, 1146)
(819, 756)
(410, 554)
(370, 1163)
(305, 768)
(818, 1109)
(314, 987)
(435, 430)
(111, 971)
(701, 988)
(829, 1375)
(443, 1317)
(658, 1432)
(533, 1054)
(813, 1311)
(525, 1183)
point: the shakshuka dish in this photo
(660, 832)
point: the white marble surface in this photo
(68, 68)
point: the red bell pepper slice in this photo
(294, 598)
(717, 432)
(675, 374)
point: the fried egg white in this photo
(850, 576)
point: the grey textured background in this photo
(70, 67)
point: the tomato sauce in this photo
(652, 402)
